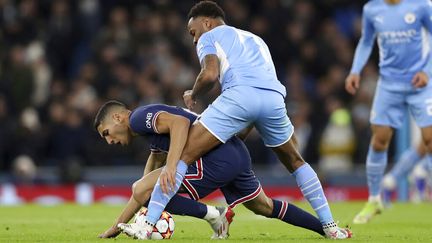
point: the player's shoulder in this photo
(219, 31)
(141, 119)
(372, 5)
(423, 3)
(146, 112)
(149, 108)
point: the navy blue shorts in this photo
(228, 168)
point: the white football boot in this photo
(137, 231)
(221, 223)
(334, 232)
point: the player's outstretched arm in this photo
(205, 81)
(128, 212)
(154, 161)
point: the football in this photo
(164, 228)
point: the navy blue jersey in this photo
(226, 167)
(143, 122)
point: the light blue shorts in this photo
(240, 106)
(393, 99)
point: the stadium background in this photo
(60, 60)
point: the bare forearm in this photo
(154, 161)
(128, 212)
(178, 136)
(203, 84)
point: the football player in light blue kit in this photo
(405, 68)
(251, 96)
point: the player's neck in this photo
(217, 22)
(129, 112)
(393, 2)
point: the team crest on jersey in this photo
(409, 18)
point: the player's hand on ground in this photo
(187, 98)
(352, 83)
(420, 80)
(167, 178)
(110, 233)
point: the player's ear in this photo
(206, 23)
(116, 117)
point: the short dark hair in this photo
(206, 9)
(104, 111)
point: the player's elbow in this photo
(209, 75)
(180, 123)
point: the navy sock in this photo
(179, 205)
(291, 214)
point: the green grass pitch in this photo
(73, 223)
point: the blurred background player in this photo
(412, 164)
(227, 167)
(405, 68)
(241, 62)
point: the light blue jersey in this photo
(251, 92)
(402, 35)
(245, 59)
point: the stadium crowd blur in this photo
(60, 60)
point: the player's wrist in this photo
(193, 96)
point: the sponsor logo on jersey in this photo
(398, 36)
(148, 120)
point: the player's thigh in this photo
(217, 168)
(261, 205)
(200, 141)
(234, 110)
(388, 108)
(243, 188)
(272, 122)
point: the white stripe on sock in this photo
(316, 189)
(157, 203)
(311, 185)
(313, 178)
(325, 204)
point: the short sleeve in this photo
(205, 46)
(143, 119)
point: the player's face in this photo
(198, 26)
(115, 130)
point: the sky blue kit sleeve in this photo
(205, 46)
(365, 45)
(427, 23)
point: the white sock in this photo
(212, 213)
